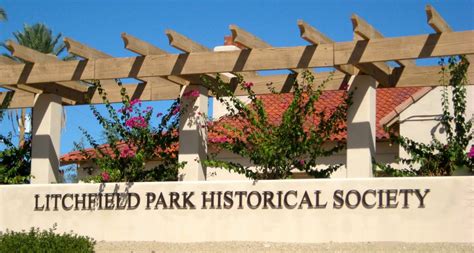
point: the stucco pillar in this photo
(361, 123)
(192, 135)
(47, 117)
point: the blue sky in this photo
(99, 23)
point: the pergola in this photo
(46, 83)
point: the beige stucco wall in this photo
(447, 215)
(385, 153)
(84, 171)
(420, 121)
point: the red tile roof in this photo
(388, 99)
(78, 156)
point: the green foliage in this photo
(36, 240)
(441, 158)
(40, 38)
(3, 15)
(15, 162)
(279, 149)
(131, 142)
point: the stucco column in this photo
(361, 123)
(47, 117)
(192, 135)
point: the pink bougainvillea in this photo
(471, 152)
(136, 101)
(247, 85)
(218, 139)
(191, 94)
(105, 176)
(176, 109)
(127, 152)
(136, 122)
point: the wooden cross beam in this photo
(325, 55)
(84, 51)
(315, 37)
(187, 45)
(32, 88)
(144, 48)
(365, 31)
(71, 90)
(379, 70)
(250, 41)
(437, 22)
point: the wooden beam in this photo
(183, 43)
(144, 48)
(380, 71)
(315, 37)
(368, 32)
(401, 77)
(84, 51)
(6, 60)
(33, 56)
(187, 45)
(247, 39)
(436, 21)
(364, 29)
(30, 88)
(422, 76)
(17, 99)
(401, 48)
(311, 34)
(251, 41)
(139, 46)
(326, 55)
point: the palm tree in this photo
(3, 15)
(40, 38)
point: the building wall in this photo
(385, 153)
(88, 168)
(291, 211)
(420, 121)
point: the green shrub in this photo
(36, 240)
(439, 157)
(277, 149)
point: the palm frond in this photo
(3, 15)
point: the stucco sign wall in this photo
(338, 210)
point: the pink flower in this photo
(176, 110)
(247, 85)
(126, 152)
(471, 152)
(302, 162)
(125, 109)
(136, 122)
(191, 94)
(218, 139)
(148, 109)
(105, 176)
(159, 114)
(135, 101)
